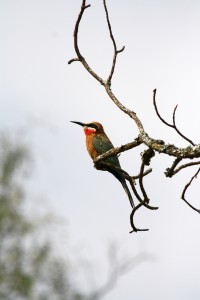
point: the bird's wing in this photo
(102, 144)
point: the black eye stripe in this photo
(93, 126)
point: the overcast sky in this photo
(40, 92)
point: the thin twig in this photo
(185, 189)
(157, 112)
(144, 174)
(83, 7)
(146, 159)
(173, 170)
(73, 60)
(143, 202)
(114, 45)
(185, 166)
(177, 130)
(130, 179)
(146, 199)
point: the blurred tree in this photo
(28, 266)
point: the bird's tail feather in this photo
(127, 192)
(123, 183)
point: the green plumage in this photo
(102, 144)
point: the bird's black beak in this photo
(79, 123)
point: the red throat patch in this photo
(88, 130)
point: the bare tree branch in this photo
(169, 149)
(190, 152)
(118, 269)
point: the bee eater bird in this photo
(98, 143)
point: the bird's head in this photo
(90, 128)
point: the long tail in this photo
(123, 183)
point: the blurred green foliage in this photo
(29, 268)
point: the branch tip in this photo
(121, 50)
(137, 229)
(86, 6)
(73, 60)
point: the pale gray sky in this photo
(38, 87)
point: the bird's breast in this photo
(90, 148)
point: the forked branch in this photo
(174, 119)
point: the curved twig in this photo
(177, 130)
(146, 199)
(73, 60)
(157, 112)
(185, 189)
(146, 160)
(144, 203)
(135, 229)
(76, 47)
